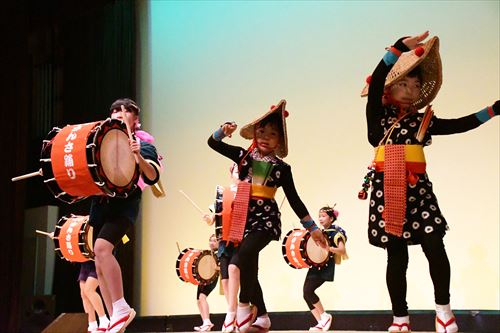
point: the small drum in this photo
(73, 238)
(300, 250)
(197, 266)
(89, 159)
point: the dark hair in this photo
(129, 104)
(416, 72)
(275, 120)
(330, 212)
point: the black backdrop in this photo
(62, 62)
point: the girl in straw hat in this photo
(403, 207)
(255, 216)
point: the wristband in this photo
(219, 135)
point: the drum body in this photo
(89, 159)
(300, 250)
(198, 267)
(73, 238)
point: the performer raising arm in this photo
(403, 207)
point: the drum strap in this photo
(240, 210)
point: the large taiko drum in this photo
(198, 267)
(300, 250)
(73, 238)
(89, 159)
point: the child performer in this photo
(403, 207)
(316, 276)
(112, 217)
(91, 300)
(203, 292)
(256, 217)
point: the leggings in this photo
(397, 264)
(310, 285)
(247, 260)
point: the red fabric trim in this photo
(395, 51)
(240, 211)
(394, 189)
(491, 113)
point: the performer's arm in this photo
(452, 126)
(148, 161)
(376, 91)
(215, 142)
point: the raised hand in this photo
(228, 128)
(415, 41)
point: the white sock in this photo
(120, 308)
(207, 322)
(444, 312)
(263, 321)
(103, 321)
(401, 320)
(92, 325)
(230, 317)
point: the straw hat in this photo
(248, 130)
(427, 58)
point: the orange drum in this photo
(89, 159)
(300, 250)
(197, 266)
(73, 238)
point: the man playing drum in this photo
(112, 217)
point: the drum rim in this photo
(98, 173)
(201, 280)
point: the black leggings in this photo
(397, 264)
(310, 285)
(247, 260)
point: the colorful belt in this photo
(414, 158)
(261, 191)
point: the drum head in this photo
(118, 162)
(316, 253)
(207, 266)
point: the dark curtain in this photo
(63, 62)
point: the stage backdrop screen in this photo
(202, 63)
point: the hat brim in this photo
(248, 130)
(430, 68)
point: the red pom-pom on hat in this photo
(272, 107)
(285, 113)
(368, 79)
(419, 51)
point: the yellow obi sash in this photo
(262, 191)
(414, 158)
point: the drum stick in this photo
(178, 248)
(282, 202)
(28, 175)
(128, 131)
(48, 234)
(192, 202)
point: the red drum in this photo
(197, 266)
(73, 238)
(89, 159)
(300, 250)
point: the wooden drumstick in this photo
(28, 175)
(178, 248)
(128, 131)
(48, 234)
(282, 202)
(192, 202)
